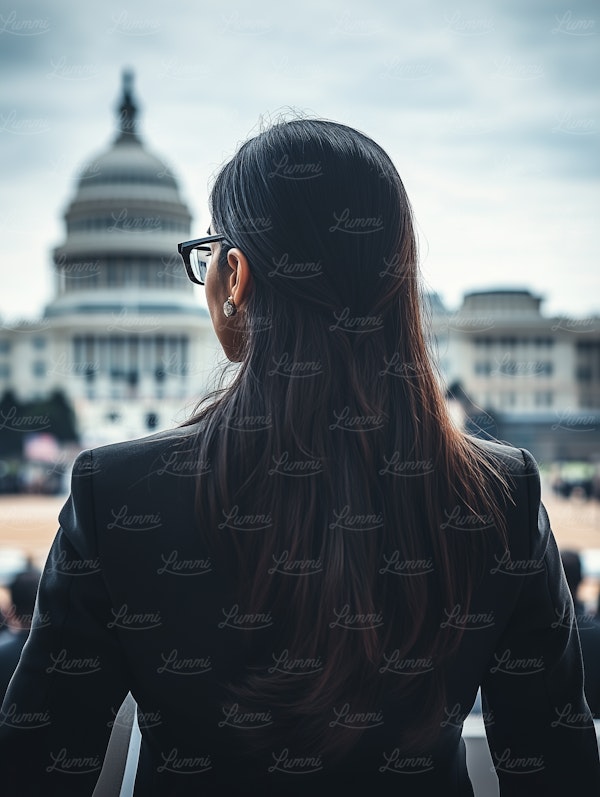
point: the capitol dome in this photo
(123, 225)
(127, 338)
(126, 164)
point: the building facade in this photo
(125, 336)
(528, 378)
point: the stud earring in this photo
(229, 307)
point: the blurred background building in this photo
(519, 375)
(124, 340)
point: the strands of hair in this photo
(355, 457)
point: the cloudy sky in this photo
(490, 111)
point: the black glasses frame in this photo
(186, 248)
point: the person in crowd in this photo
(17, 620)
(589, 631)
(304, 585)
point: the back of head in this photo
(333, 321)
(321, 213)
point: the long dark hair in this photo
(333, 446)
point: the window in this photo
(39, 369)
(4, 371)
(4, 346)
(151, 420)
(483, 368)
(38, 342)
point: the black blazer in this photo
(130, 601)
(11, 645)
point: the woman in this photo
(305, 585)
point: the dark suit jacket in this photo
(129, 601)
(11, 645)
(589, 635)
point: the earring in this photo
(229, 307)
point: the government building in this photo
(125, 337)
(519, 375)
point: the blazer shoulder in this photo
(170, 452)
(148, 445)
(510, 459)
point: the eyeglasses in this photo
(196, 256)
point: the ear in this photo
(240, 282)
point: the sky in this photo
(489, 110)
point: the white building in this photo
(535, 378)
(125, 336)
